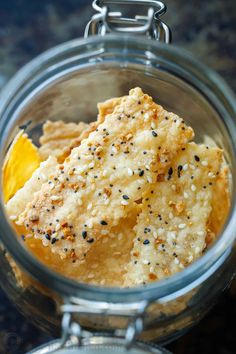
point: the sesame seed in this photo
(57, 227)
(204, 163)
(185, 167)
(193, 188)
(84, 234)
(179, 170)
(125, 197)
(182, 226)
(54, 240)
(145, 261)
(211, 174)
(141, 173)
(192, 167)
(185, 195)
(160, 231)
(176, 261)
(130, 172)
(190, 258)
(13, 217)
(55, 197)
(197, 158)
(89, 207)
(103, 222)
(154, 133)
(170, 172)
(90, 240)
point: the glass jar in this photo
(66, 82)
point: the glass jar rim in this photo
(159, 289)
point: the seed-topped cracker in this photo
(103, 179)
(17, 204)
(171, 229)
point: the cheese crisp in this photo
(102, 180)
(23, 196)
(125, 200)
(57, 136)
(171, 230)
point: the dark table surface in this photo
(208, 30)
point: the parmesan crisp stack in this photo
(125, 200)
(104, 179)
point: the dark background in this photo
(208, 30)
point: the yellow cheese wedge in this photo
(20, 163)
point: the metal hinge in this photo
(106, 21)
(72, 331)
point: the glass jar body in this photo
(164, 320)
(66, 83)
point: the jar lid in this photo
(100, 344)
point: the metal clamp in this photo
(73, 334)
(106, 21)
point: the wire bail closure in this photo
(73, 334)
(150, 25)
